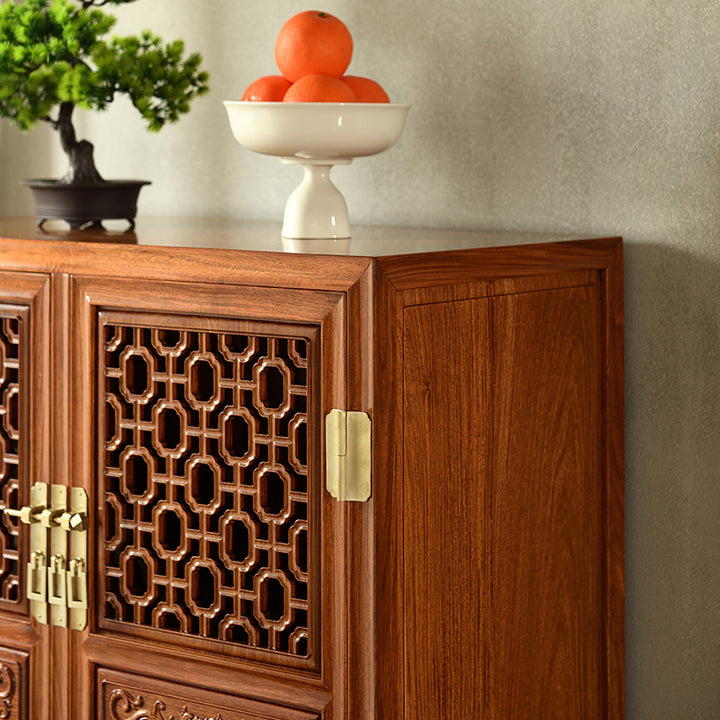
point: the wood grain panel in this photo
(471, 287)
(355, 695)
(613, 447)
(447, 426)
(219, 266)
(504, 506)
(251, 303)
(547, 539)
(459, 267)
(264, 683)
(388, 675)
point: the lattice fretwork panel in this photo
(9, 456)
(206, 484)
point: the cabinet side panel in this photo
(547, 535)
(446, 467)
(504, 511)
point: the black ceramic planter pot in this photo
(85, 204)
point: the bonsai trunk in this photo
(80, 153)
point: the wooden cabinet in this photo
(181, 378)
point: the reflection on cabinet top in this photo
(255, 235)
(226, 250)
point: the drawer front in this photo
(123, 696)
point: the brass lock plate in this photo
(36, 582)
(56, 572)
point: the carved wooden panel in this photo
(123, 696)
(205, 478)
(13, 688)
(10, 495)
(9, 679)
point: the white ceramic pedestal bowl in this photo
(316, 136)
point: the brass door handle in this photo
(37, 577)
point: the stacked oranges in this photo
(312, 51)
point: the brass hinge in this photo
(348, 453)
(55, 586)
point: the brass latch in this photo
(348, 453)
(37, 577)
(57, 582)
(56, 589)
(77, 585)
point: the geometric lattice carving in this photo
(205, 481)
(9, 457)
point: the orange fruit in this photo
(269, 88)
(320, 88)
(313, 43)
(367, 90)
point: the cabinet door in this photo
(24, 357)
(195, 420)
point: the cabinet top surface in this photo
(236, 234)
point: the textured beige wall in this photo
(561, 115)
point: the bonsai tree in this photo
(55, 56)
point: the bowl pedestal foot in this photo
(316, 209)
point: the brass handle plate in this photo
(56, 589)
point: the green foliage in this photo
(56, 51)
